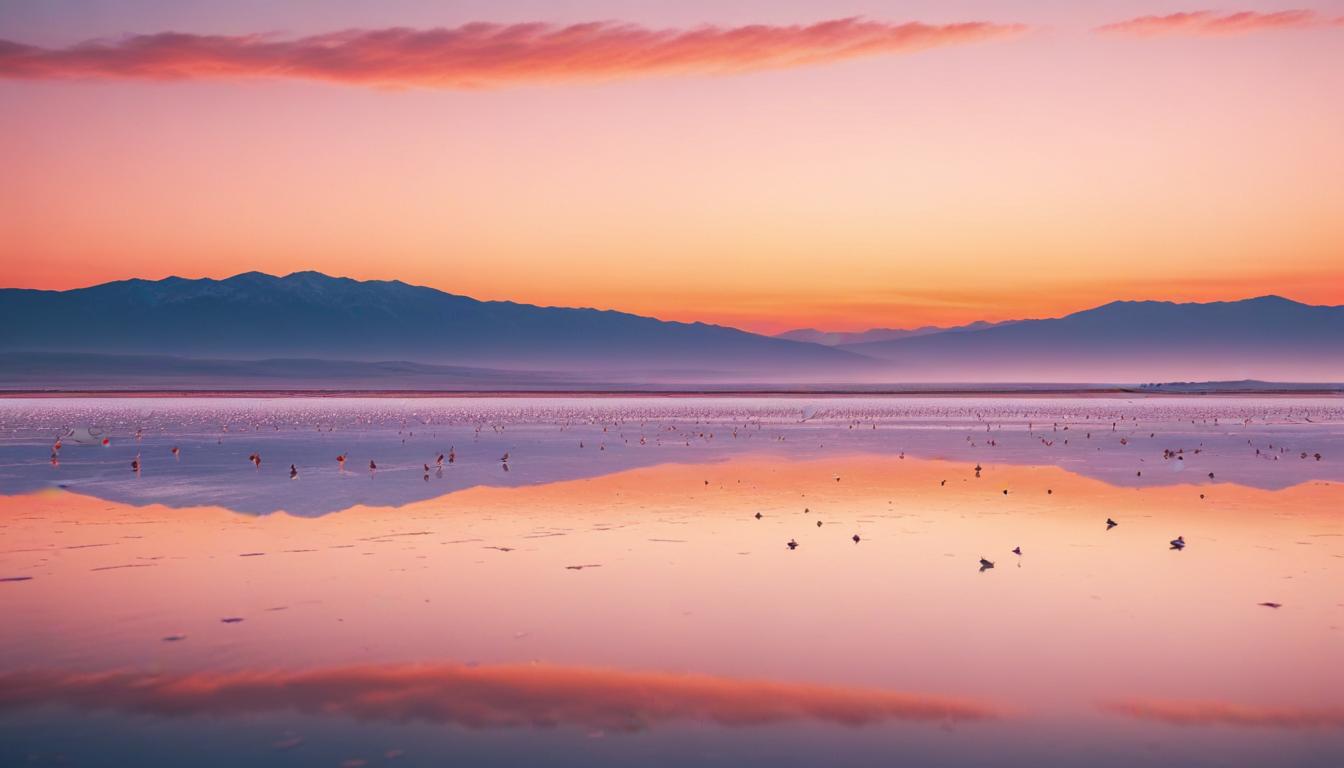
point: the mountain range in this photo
(312, 330)
(255, 316)
(1268, 337)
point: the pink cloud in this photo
(482, 55)
(1215, 23)
(1177, 712)
(486, 696)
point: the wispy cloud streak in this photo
(482, 55)
(1216, 24)
(1177, 712)
(486, 697)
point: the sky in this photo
(769, 164)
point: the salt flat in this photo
(620, 590)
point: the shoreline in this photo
(278, 394)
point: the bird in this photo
(792, 544)
(1271, 605)
(1110, 523)
(1178, 542)
(293, 472)
(856, 538)
(818, 523)
(758, 515)
(985, 564)
(1017, 550)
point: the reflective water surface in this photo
(622, 591)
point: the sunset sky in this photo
(767, 164)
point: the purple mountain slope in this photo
(302, 327)
(256, 316)
(1268, 338)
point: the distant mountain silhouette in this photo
(311, 315)
(837, 338)
(1269, 337)
(308, 329)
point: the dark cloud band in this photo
(481, 55)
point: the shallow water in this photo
(611, 598)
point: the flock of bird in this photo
(450, 457)
(1177, 543)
